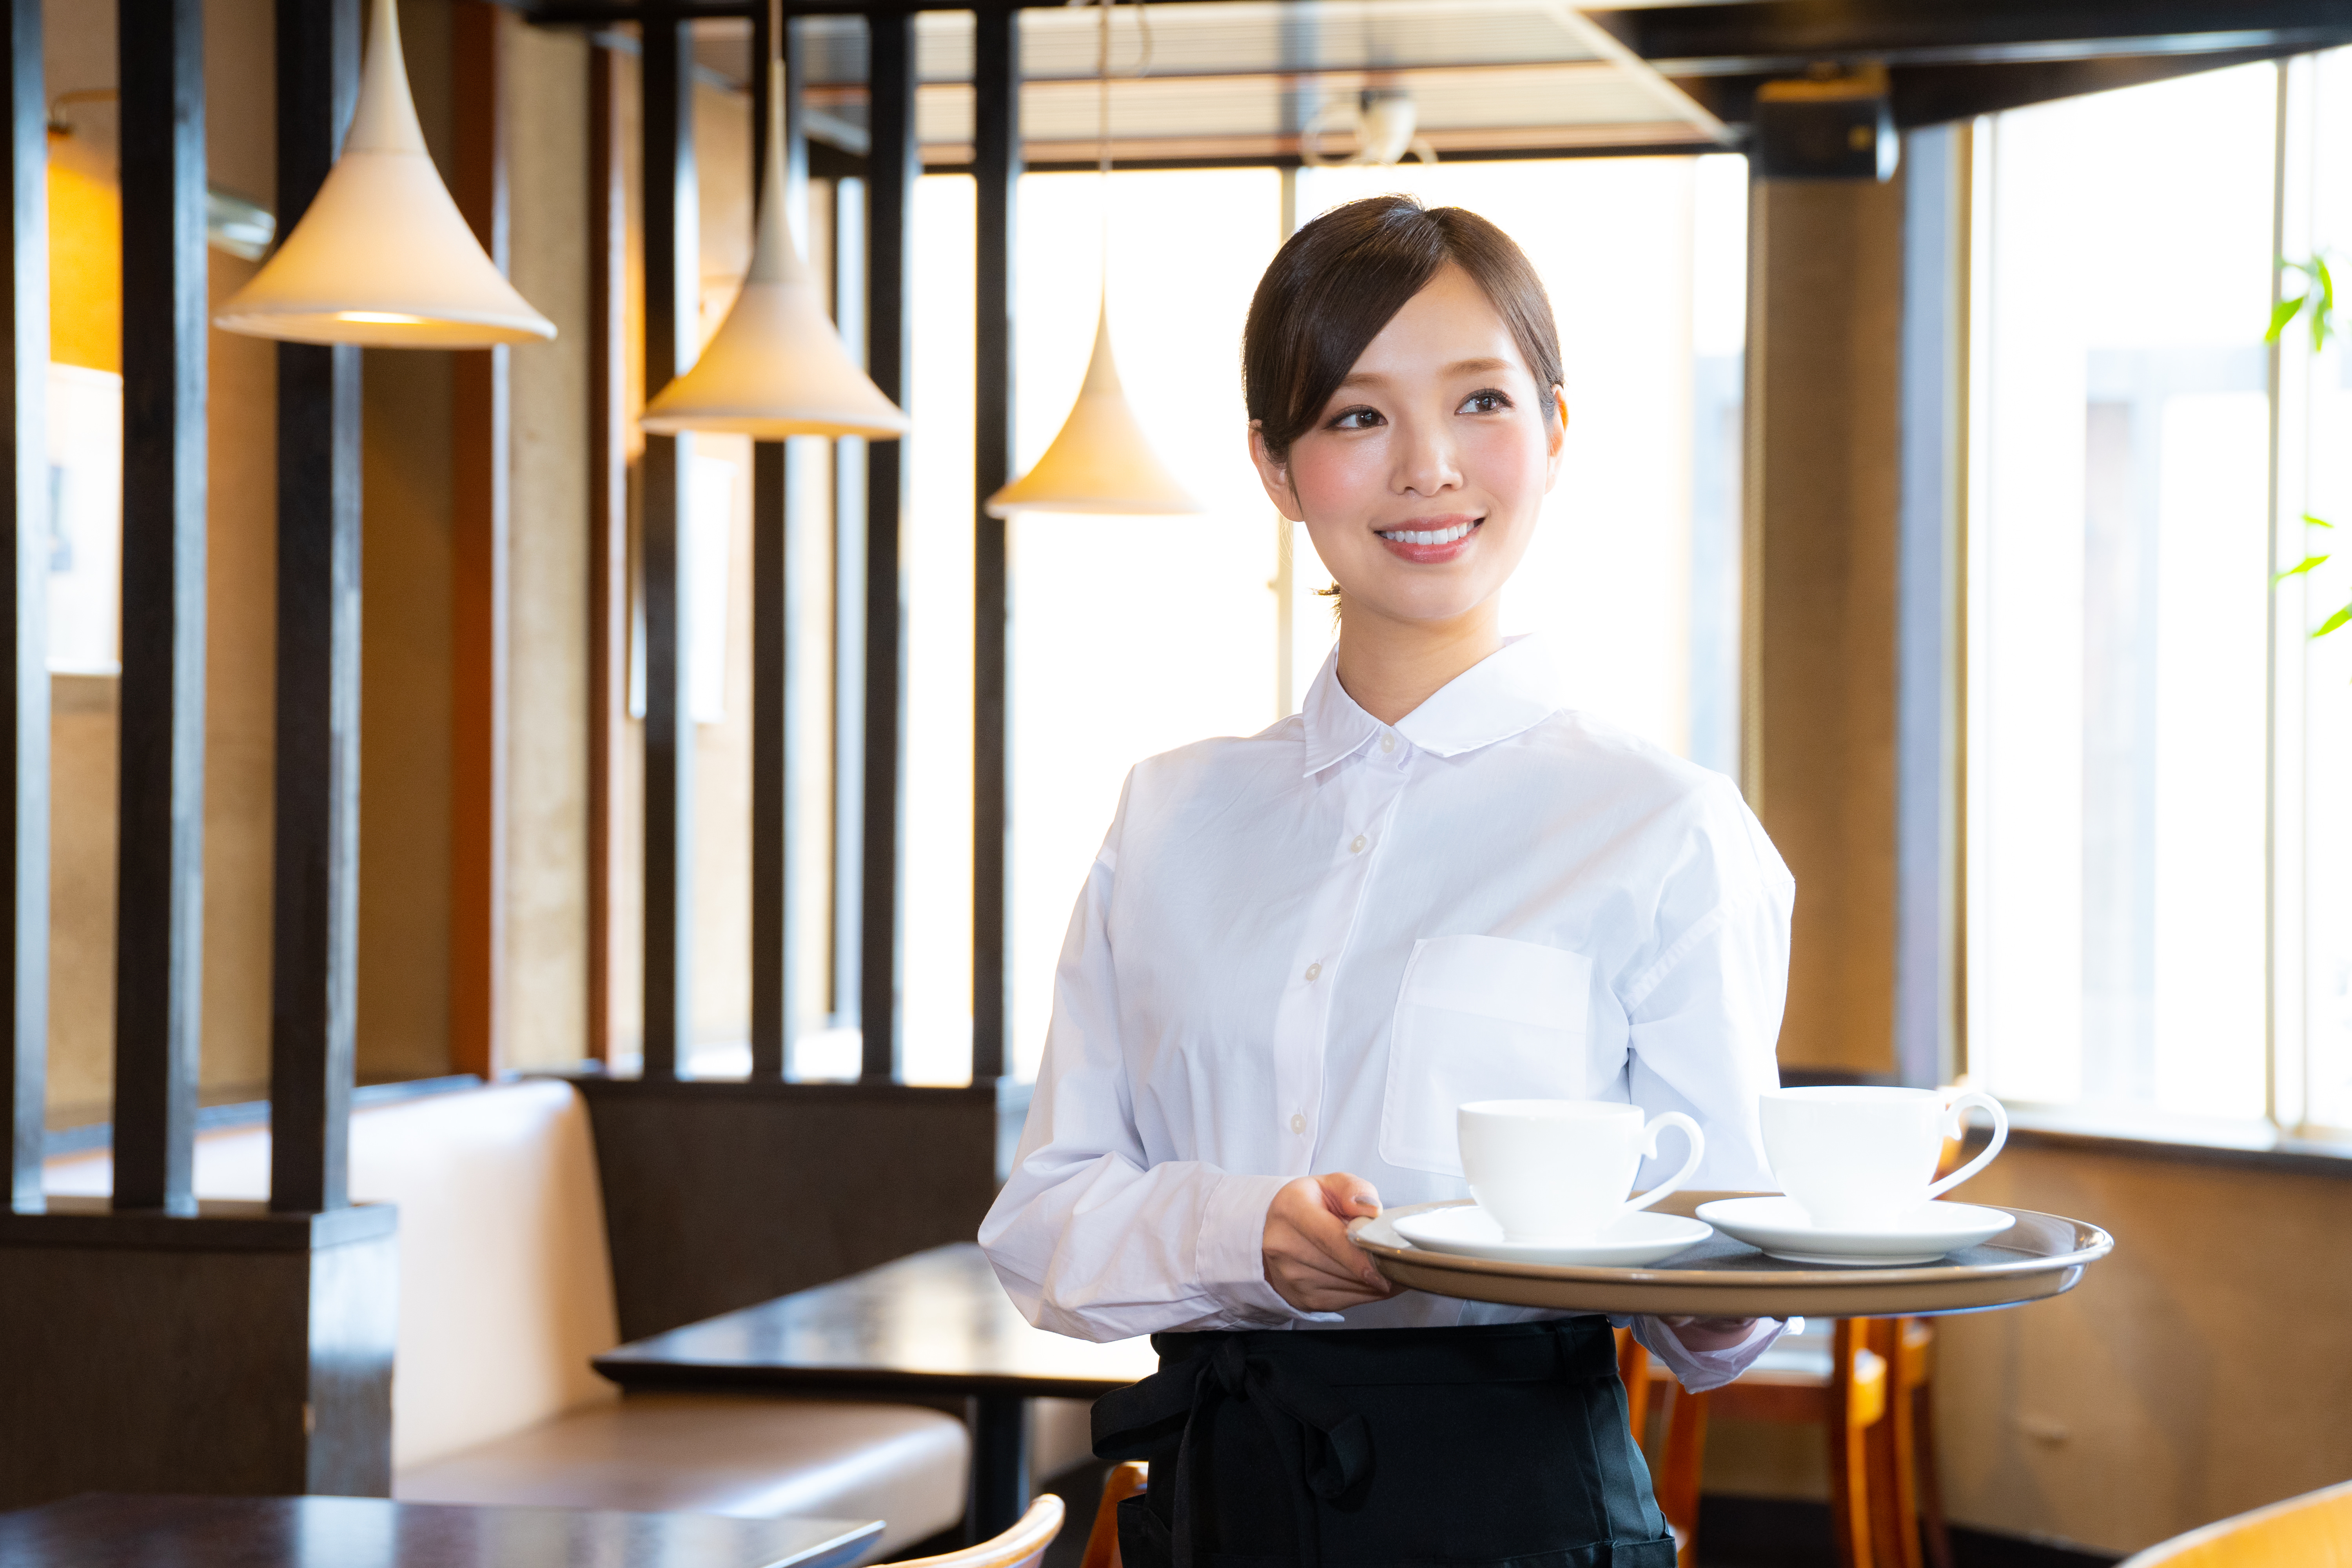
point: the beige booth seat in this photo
(506, 1292)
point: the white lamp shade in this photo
(776, 366)
(383, 257)
(1099, 463)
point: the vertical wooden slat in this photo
(608, 530)
(480, 484)
(314, 954)
(776, 1004)
(159, 919)
(24, 686)
(672, 285)
(996, 170)
(892, 167)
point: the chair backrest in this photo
(1102, 1543)
(2314, 1531)
(1019, 1547)
(506, 1289)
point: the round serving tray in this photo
(2041, 1256)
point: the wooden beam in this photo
(481, 407)
(673, 283)
(159, 882)
(608, 530)
(894, 162)
(775, 936)
(314, 912)
(996, 172)
(25, 683)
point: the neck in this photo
(1392, 668)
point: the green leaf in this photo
(2307, 562)
(2280, 314)
(2317, 521)
(2334, 621)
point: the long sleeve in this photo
(1091, 1236)
(1704, 1023)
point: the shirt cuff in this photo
(1229, 1255)
(1699, 1371)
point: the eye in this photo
(1489, 401)
(1357, 418)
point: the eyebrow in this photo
(1459, 367)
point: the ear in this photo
(1555, 436)
(1274, 476)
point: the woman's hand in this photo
(1309, 1260)
(1710, 1334)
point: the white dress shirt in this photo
(1299, 952)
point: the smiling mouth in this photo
(1429, 536)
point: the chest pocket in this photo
(1480, 1017)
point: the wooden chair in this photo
(2314, 1531)
(1020, 1547)
(1102, 1543)
(1870, 1393)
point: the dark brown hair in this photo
(1336, 282)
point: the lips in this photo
(1436, 540)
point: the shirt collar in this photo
(1510, 691)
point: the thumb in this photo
(1349, 1195)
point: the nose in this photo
(1425, 461)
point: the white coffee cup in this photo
(1559, 1170)
(1859, 1158)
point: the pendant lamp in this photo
(1099, 462)
(383, 257)
(776, 366)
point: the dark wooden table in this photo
(936, 1323)
(100, 1531)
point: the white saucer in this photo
(1780, 1226)
(1632, 1241)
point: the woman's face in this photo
(1421, 481)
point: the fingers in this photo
(1309, 1260)
(1349, 1195)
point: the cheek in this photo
(1508, 460)
(1337, 479)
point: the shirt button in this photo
(1297, 1123)
(1358, 847)
(1314, 972)
(1388, 743)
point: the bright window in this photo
(2132, 719)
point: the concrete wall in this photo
(1825, 302)
(546, 1019)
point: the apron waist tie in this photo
(1330, 1443)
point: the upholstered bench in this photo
(506, 1292)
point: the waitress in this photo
(1299, 952)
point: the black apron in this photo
(1471, 1447)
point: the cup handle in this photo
(1650, 1147)
(1956, 1122)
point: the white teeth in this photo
(1427, 536)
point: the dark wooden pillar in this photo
(158, 910)
(892, 163)
(480, 484)
(996, 170)
(24, 686)
(672, 288)
(775, 936)
(314, 914)
(608, 529)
